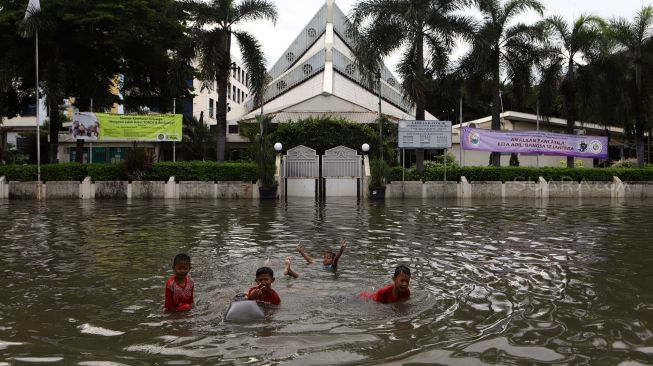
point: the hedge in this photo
(194, 170)
(503, 174)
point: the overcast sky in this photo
(295, 14)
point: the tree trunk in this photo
(79, 151)
(570, 102)
(420, 114)
(55, 126)
(639, 113)
(3, 145)
(223, 84)
(495, 157)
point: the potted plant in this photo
(266, 159)
(379, 171)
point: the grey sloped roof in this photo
(288, 72)
(360, 117)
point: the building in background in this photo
(317, 76)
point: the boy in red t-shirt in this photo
(396, 291)
(180, 287)
(263, 290)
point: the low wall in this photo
(111, 189)
(148, 189)
(246, 190)
(25, 190)
(62, 190)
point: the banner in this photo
(134, 127)
(535, 142)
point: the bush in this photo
(379, 172)
(504, 174)
(203, 171)
(194, 170)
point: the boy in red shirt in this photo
(263, 290)
(396, 291)
(180, 287)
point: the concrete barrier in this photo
(522, 189)
(111, 189)
(638, 189)
(440, 189)
(408, 189)
(196, 189)
(26, 190)
(4, 188)
(234, 190)
(588, 189)
(86, 189)
(464, 188)
(564, 189)
(148, 189)
(171, 189)
(482, 189)
(62, 190)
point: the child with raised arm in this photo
(329, 260)
(396, 291)
(263, 290)
(179, 294)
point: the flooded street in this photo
(513, 282)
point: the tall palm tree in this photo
(581, 40)
(499, 43)
(424, 30)
(213, 24)
(632, 36)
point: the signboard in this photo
(424, 134)
(535, 142)
(146, 127)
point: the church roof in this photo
(320, 62)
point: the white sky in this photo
(295, 14)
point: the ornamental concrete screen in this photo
(341, 170)
(301, 172)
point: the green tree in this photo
(424, 30)
(213, 28)
(499, 43)
(633, 36)
(580, 42)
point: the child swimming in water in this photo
(396, 291)
(263, 290)
(329, 260)
(179, 294)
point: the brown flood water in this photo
(509, 283)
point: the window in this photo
(307, 69)
(281, 85)
(350, 69)
(238, 73)
(210, 107)
(233, 93)
(290, 56)
(233, 128)
(311, 32)
(237, 95)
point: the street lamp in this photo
(278, 146)
(365, 147)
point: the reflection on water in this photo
(511, 282)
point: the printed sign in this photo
(147, 127)
(535, 142)
(424, 134)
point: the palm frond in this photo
(254, 60)
(250, 10)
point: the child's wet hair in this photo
(401, 269)
(331, 253)
(265, 270)
(181, 257)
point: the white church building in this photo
(317, 76)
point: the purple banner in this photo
(535, 142)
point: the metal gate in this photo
(301, 168)
(341, 172)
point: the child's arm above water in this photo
(300, 249)
(343, 245)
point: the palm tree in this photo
(425, 30)
(581, 40)
(632, 36)
(213, 24)
(498, 43)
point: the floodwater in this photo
(508, 283)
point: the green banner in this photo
(135, 127)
